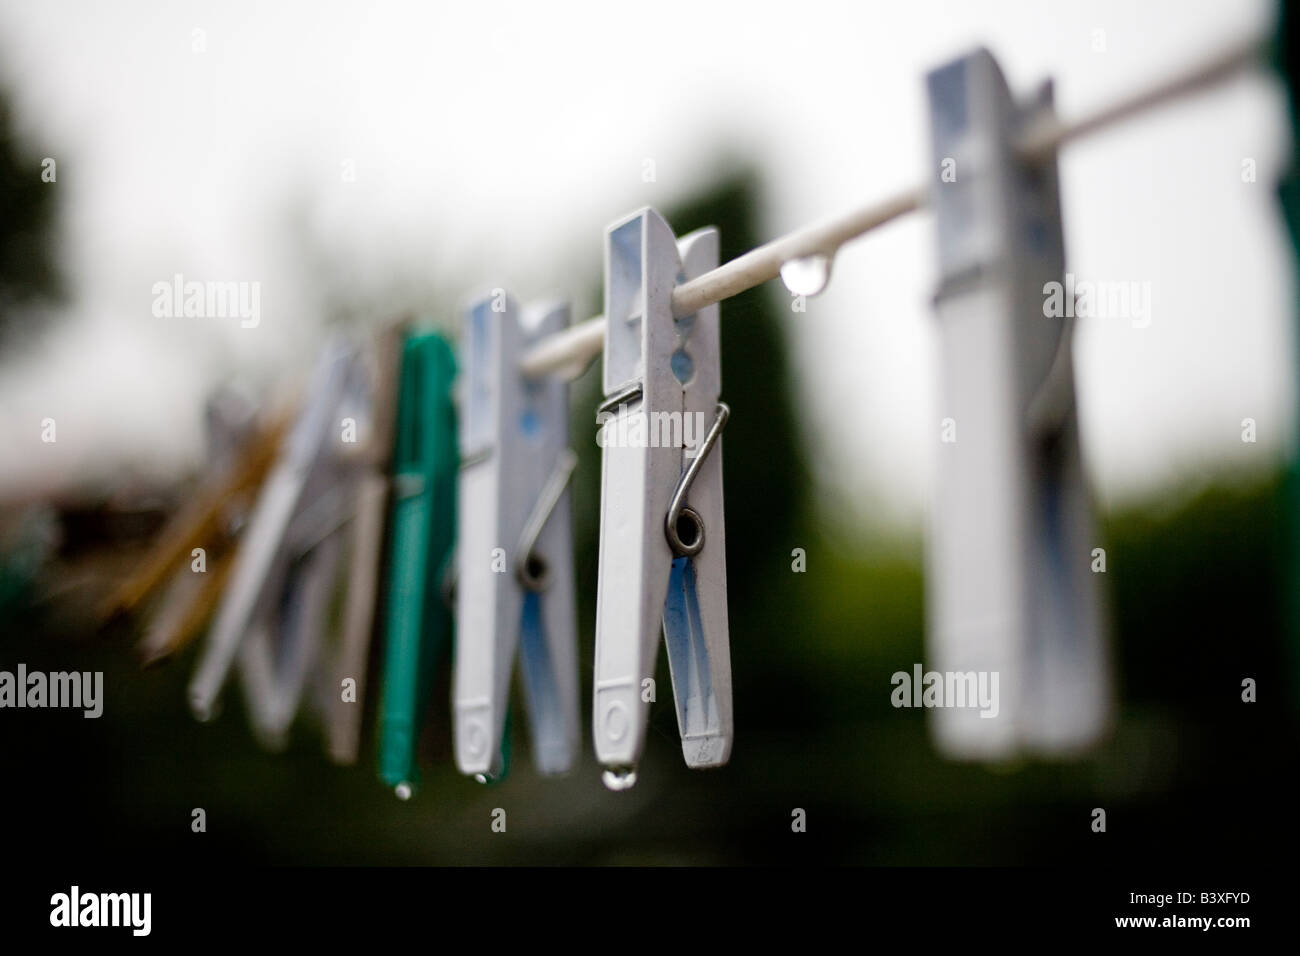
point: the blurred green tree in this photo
(28, 205)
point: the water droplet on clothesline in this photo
(807, 275)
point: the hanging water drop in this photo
(403, 791)
(807, 275)
(619, 778)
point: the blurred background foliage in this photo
(1189, 774)
(28, 272)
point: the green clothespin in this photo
(425, 466)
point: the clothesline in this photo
(567, 354)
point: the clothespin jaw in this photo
(514, 583)
(423, 533)
(1010, 588)
(660, 374)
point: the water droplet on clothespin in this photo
(807, 275)
(619, 778)
(403, 791)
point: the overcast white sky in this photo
(493, 143)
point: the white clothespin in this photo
(662, 538)
(1010, 586)
(272, 614)
(282, 648)
(514, 552)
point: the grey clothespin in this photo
(662, 535)
(1011, 595)
(273, 612)
(514, 582)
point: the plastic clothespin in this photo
(285, 645)
(286, 558)
(365, 543)
(282, 649)
(1010, 589)
(662, 538)
(425, 462)
(514, 581)
(336, 528)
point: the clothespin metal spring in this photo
(678, 510)
(531, 568)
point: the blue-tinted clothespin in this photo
(514, 582)
(662, 535)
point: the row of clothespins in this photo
(472, 473)
(469, 469)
